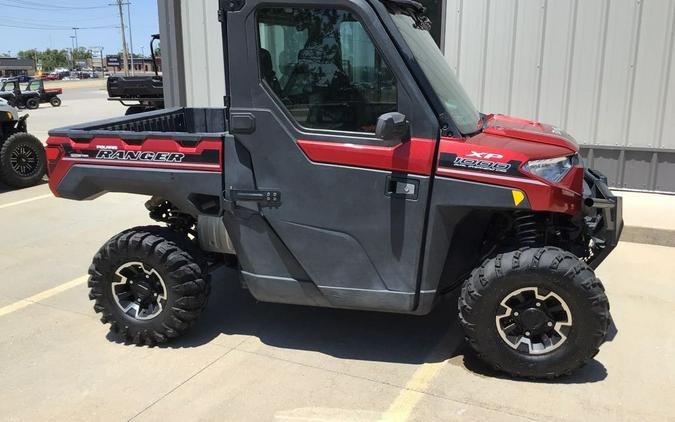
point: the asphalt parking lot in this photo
(253, 361)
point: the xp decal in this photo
(480, 163)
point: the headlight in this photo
(552, 169)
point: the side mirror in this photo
(392, 128)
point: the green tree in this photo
(49, 58)
(81, 53)
(28, 54)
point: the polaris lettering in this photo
(165, 157)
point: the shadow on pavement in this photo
(346, 334)
(4, 188)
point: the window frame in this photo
(279, 102)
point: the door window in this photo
(325, 69)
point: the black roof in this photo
(15, 61)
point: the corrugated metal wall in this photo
(202, 53)
(602, 69)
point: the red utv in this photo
(349, 169)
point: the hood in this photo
(531, 131)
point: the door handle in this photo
(267, 198)
(402, 188)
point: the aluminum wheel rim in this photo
(139, 291)
(534, 321)
(24, 161)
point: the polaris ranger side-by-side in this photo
(349, 169)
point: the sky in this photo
(41, 24)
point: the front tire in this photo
(149, 284)
(22, 161)
(535, 313)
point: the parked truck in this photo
(349, 169)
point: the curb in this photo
(649, 236)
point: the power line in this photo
(65, 21)
(62, 28)
(53, 8)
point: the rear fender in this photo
(186, 173)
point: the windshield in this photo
(440, 75)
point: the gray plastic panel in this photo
(89, 181)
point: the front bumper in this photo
(603, 217)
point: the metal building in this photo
(602, 69)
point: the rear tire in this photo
(55, 102)
(22, 161)
(535, 313)
(32, 103)
(170, 291)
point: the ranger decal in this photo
(166, 157)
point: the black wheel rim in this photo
(139, 291)
(24, 161)
(534, 321)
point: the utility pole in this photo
(131, 39)
(76, 44)
(72, 50)
(125, 52)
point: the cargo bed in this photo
(176, 154)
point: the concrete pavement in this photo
(83, 101)
(254, 361)
(649, 218)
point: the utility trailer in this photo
(350, 170)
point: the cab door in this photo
(307, 84)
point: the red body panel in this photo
(509, 153)
(63, 153)
(528, 130)
(415, 156)
(506, 144)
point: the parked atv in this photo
(22, 156)
(11, 91)
(47, 95)
(350, 172)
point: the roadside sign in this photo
(112, 61)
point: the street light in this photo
(131, 39)
(72, 50)
(76, 44)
